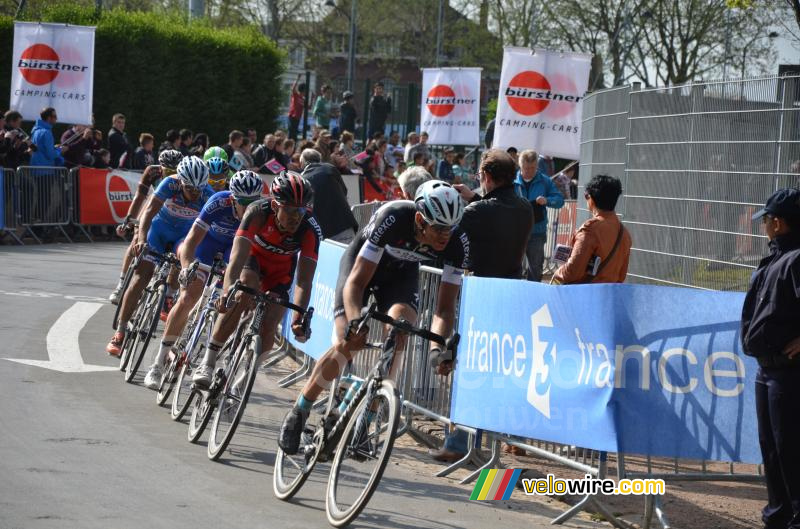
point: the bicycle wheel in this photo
(201, 413)
(170, 375)
(125, 283)
(233, 398)
(146, 331)
(291, 472)
(360, 460)
(131, 336)
(183, 394)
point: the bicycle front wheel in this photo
(233, 398)
(131, 336)
(125, 283)
(145, 331)
(183, 394)
(362, 454)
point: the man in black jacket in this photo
(347, 113)
(331, 208)
(498, 224)
(117, 140)
(379, 109)
(770, 316)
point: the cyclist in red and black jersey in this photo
(276, 238)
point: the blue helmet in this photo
(217, 165)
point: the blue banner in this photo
(322, 299)
(622, 368)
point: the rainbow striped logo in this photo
(494, 484)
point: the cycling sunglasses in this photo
(246, 201)
(441, 229)
(214, 182)
(293, 211)
(168, 171)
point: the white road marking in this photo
(63, 347)
(45, 295)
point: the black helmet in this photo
(291, 189)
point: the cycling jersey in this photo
(274, 254)
(219, 220)
(177, 211)
(389, 240)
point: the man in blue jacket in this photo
(46, 154)
(541, 192)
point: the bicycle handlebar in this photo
(450, 344)
(263, 297)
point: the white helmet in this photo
(237, 161)
(439, 203)
(246, 184)
(193, 172)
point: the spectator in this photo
(46, 153)
(117, 140)
(234, 142)
(514, 155)
(331, 208)
(347, 113)
(379, 109)
(391, 146)
(418, 160)
(540, 191)
(264, 153)
(144, 157)
(172, 141)
(498, 210)
(252, 134)
(187, 136)
(444, 171)
(18, 152)
(296, 106)
(245, 150)
(410, 179)
(80, 143)
(346, 149)
(488, 136)
(462, 174)
(288, 150)
(769, 333)
(322, 146)
(280, 135)
(601, 237)
(411, 140)
(562, 180)
(322, 108)
(547, 165)
(200, 145)
(102, 160)
(280, 155)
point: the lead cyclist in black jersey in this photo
(384, 259)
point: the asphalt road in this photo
(85, 449)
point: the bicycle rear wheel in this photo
(361, 458)
(170, 375)
(131, 336)
(146, 331)
(201, 413)
(125, 283)
(233, 398)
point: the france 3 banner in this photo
(322, 299)
(105, 194)
(451, 105)
(620, 368)
(53, 66)
(540, 104)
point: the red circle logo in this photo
(441, 100)
(35, 62)
(522, 93)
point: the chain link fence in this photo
(696, 161)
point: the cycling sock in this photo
(210, 357)
(162, 353)
(121, 325)
(303, 404)
(121, 279)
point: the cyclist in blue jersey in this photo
(169, 215)
(217, 173)
(212, 233)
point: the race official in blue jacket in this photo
(46, 154)
(770, 333)
(537, 188)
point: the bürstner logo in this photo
(529, 93)
(40, 64)
(441, 100)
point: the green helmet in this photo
(215, 152)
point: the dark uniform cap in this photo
(784, 203)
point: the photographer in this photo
(18, 142)
(602, 246)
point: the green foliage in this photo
(163, 72)
(491, 109)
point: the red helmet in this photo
(291, 189)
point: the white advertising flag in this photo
(540, 102)
(451, 105)
(53, 66)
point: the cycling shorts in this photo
(163, 235)
(208, 248)
(392, 284)
(275, 279)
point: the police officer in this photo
(770, 333)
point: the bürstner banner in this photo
(451, 105)
(53, 66)
(540, 103)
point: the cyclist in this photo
(277, 237)
(212, 233)
(171, 210)
(217, 173)
(167, 164)
(215, 152)
(384, 260)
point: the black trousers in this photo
(294, 125)
(778, 409)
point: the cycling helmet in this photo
(193, 172)
(291, 189)
(215, 152)
(439, 203)
(216, 165)
(237, 161)
(170, 158)
(246, 184)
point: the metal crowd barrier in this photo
(9, 198)
(363, 212)
(560, 226)
(44, 198)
